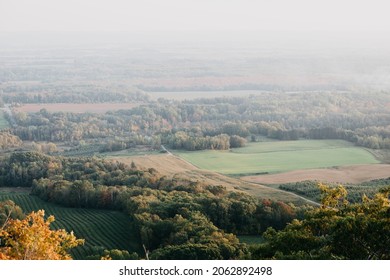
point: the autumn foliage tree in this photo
(336, 230)
(9, 210)
(32, 239)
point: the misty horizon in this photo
(300, 24)
(342, 45)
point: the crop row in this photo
(99, 228)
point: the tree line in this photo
(219, 123)
(65, 92)
(355, 194)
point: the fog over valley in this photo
(194, 130)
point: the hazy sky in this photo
(313, 23)
(199, 15)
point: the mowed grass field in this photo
(99, 228)
(280, 156)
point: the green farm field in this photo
(99, 228)
(280, 156)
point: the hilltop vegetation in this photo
(355, 192)
(336, 230)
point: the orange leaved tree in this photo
(32, 239)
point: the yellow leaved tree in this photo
(32, 239)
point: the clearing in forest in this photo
(280, 156)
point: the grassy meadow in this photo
(280, 156)
(99, 228)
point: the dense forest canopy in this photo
(336, 230)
